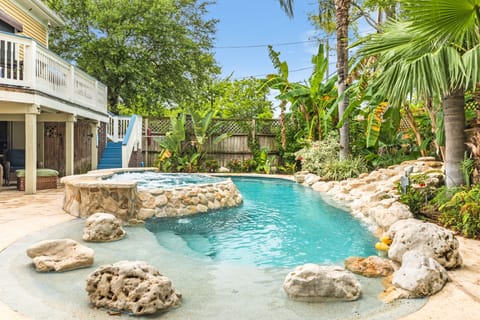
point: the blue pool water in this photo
(152, 180)
(280, 223)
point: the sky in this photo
(246, 27)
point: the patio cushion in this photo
(40, 173)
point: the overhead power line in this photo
(265, 45)
(273, 44)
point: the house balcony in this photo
(32, 74)
(50, 110)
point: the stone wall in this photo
(90, 193)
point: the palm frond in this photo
(445, 20)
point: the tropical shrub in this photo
(462, 212)
(343, 169)
(234, 165)
(317, 153)
(322, 158)
(249, 165)
(211, 165)
(418, 193)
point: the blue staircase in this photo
(112, 156)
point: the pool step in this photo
(112, 156)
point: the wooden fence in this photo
(234, 147)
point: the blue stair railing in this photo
(125, 136)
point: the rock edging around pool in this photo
(89, 193)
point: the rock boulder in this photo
(431, 240)
(131, 286)
(312, 282)
(372, 267)
(384, 217)
(421, 276)
(103, 227)
(60, 255)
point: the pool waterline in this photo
(280, 223)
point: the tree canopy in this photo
(151, 54)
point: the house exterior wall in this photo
(18, 135)
(31, 27)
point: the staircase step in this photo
(112, 156)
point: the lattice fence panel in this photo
(267, 126)
(158, 126)
(234, 127)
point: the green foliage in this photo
(467, 167)
(172, 144)
(343, 169)
(234, 165)
(249, 165)
(188, 157)
(188, 163)
(315, 155)
(419, 192)
(210, 165)
(462, 212)
(321, 158)
(241, 99)
(288, 168)
(391, 157)
(204, 131)
(263, 162)
(150, 53)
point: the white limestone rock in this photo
(431, 240)
(103, 227)
(311, 179)
(131, 286)
(299, 177)
(421, 276)
(223, 170)
(312, 282)
(385, 217)
(60, 255)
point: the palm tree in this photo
(342, 8)
(421, 57)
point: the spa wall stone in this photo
(89, 193)
(187, 200)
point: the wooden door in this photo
(54, 156)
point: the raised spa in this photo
(139, 194)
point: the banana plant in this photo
(279, 82)
(172, 142)
(205, 130)
(315, 98)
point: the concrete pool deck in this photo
(22, 214)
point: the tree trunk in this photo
(283, 130)
(454, 120)
(342, 8)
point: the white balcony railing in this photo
(25, 63)
(117, 127)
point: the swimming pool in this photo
(280, 223)
(152, 180)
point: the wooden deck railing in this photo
(25, 63)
